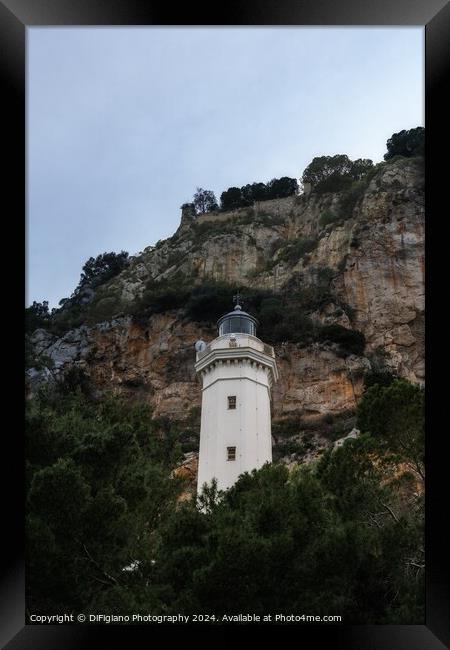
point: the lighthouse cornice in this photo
(217, 355)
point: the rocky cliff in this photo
(368, 244)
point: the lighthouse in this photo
(238, 372)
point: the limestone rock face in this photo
(328, 384)
(374, 255)
(187, 471)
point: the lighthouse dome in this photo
(237, 321)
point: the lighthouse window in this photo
(231, 401)
(231, 453)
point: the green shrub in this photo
(334, 183)
(292, 326)
(37, 316)
(286, 428)
(288, 447)
(406, 143)
(328, 217)
(381, 377)
(67, 319)
(190, 445)
(350, 198)
(379, 372)
(294, 251)
(334, 173)
(324, 275)
(350, 341)
(394, 414)
(104, 267)
(102, 310)
(159, 297)
(209, 301)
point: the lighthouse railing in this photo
(247, 339)
(268, 349)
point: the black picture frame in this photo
(434, 15)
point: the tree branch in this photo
(391, 512)
(96, 564)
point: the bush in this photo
(324, 275)
(335, 173)
(309, 298)
(66, 319)
(381, 377)
(37, 316)
(334, 183)
(293, 252)
(350, 198)
(394, 414)
(286, 428)
(102, 309)
(279, 188)
(328, 217)
(247, 195)
(406, 143)
(104, 267)
(209, 301)
(350, 341)
(292, 326)
(254, 192)
(159, 297)
(288, 447)
(231, 199)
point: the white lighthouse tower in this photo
(238, 371)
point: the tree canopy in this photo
(37, 315)
(204, 201)
(406, 143)
(334, 173)
(393, 412)
(248, 195)
(278, 188)
(100, 269)
(231, 199)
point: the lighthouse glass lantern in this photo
(237, 321)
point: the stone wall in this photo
(274, 207)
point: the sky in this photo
(123, 124)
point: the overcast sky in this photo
(124, 123)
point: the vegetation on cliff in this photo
(406, 143)
(204, 201)
(204, 302)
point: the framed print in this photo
(232, 385)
